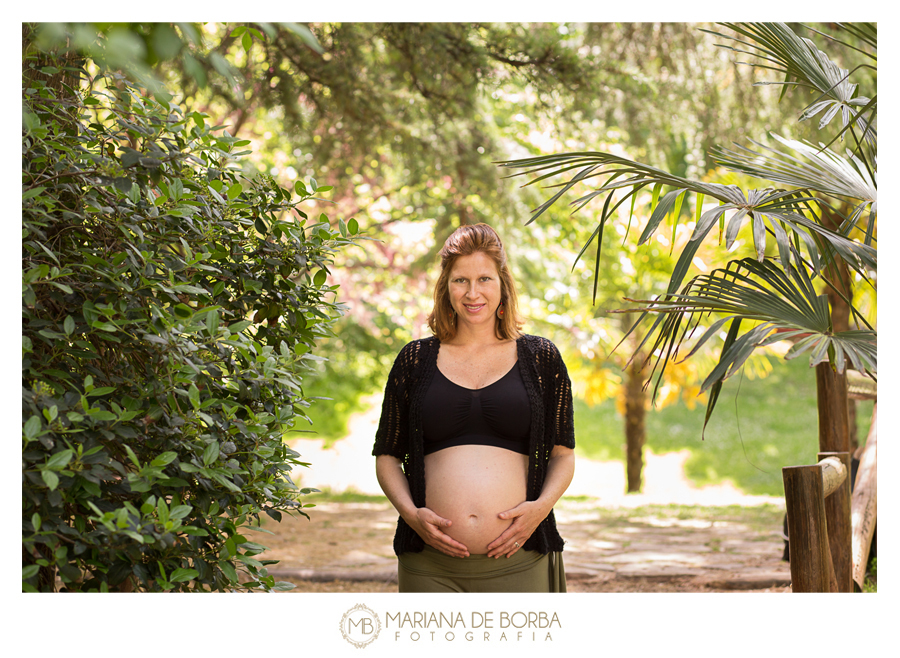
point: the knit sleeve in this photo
(392, 436)
(563, 413)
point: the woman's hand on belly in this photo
(526, 517)
(428, 526)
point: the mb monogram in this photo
(360, 625)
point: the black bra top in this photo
(497, 415)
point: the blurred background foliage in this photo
(401, 125)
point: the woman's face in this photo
(475, 289)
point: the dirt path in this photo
(347, 547)
(671, 537)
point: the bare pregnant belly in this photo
(470, 485)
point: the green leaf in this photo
(30, 571)
(36, 521)
(69, 325)
(676, 211)
(30, 120)
(211, 453)
(655, 197)
(164, 458)
(306, 35)
(30, 194)
(234, 191)
(238, 31)
(183, 310)
(50, 479)
(105, 326)
(180, 511)
(132, 456)
(238, 327)
(194, 396)
(212, 322)
(176, 189)
(60, 459)
(183, 575)
(320, 278)
(228, 569)
(353, 226)
(32, 427)
(247, 41)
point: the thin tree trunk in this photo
(635, 429)
(840, 296)
(834, 425)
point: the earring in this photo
(500, 311)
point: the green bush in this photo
(170, 308)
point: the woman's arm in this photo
(426, 523)
(527, 516)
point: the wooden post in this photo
(864, 504)
(837, 518)
(811, 566)
(834, 420)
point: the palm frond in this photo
(776, 210)
(821, 169)
(801, 63)
(777, 302)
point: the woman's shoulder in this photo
(540, 346)
(411, 352)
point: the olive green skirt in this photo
(525, 571)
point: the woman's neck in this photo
(467, 336)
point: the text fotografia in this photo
(479, 626)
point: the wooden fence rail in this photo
(864, 506)
(818, 515)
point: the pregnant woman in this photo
(476, 438)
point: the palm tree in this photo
(819, 210)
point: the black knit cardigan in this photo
(400, 431)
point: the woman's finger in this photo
(515, 512)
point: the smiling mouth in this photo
(474, 308)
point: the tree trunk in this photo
(635, 434)
(834, 422)
(840, 296)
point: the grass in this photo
(870, 586)
(771, 423)
(759, 518)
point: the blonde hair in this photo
(464, 241)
